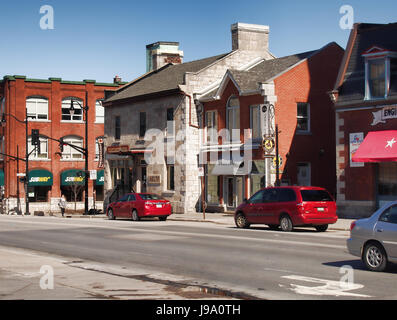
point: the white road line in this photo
(189, 234)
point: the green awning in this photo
(100, 178)
(1, 178)
(72, 177)
(40, 178)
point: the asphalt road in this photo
(252, 263)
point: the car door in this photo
(254, 207)
(386, 230)
(269, 207)
(130, 205)
(119, 207)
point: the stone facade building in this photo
(165, 99)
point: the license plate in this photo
(320, 209)
(159, 206)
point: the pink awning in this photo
(378, 146)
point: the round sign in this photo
(268, 144)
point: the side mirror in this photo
(245, 200)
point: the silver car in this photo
(374, 239)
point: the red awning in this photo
(378, 146)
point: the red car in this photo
(138, 205)
(288, 207)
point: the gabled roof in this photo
(248, 81)
(366, 38)
(162, 80)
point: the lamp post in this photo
(3, 123)
(269, 109)
(72, 111)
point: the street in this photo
(213, 261)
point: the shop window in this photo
(255, 119)
(211, 125)
(170, 177)
(257, 176)
(78, 112)
(99, 193)
(38, 194)
(70, 153)
(387, 184)
(73, 193)
(37, 108)
(303, 117)
(212, 187)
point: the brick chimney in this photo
(116, 79)
(160, 53)
(250, 37)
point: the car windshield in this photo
(150, 197)
(315, 195)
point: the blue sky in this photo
(95, 39)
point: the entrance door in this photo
(233, 191)
(303, 176)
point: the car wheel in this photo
(135, 216)
(163, 218)
(322, 228)
(241, 221)
(374, 257)
(286, 223)
(111, 215)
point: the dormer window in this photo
(380, 72)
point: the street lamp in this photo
(269, 109)
(72, 110)
(3, 124)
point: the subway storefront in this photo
(39, 184)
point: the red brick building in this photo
(51, 172)
(365, 97)
(297, 87)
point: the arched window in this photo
(37, 108)
(99, 112)
(78, 112)
(233, 118)
(70, 153)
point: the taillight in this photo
(149, 203)
(352, 225)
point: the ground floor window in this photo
(212, 186)
(73, 193)
(258, 176)
(38, 194)
(170, 177)
(387, 182)
(99, 193)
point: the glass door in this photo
(233, 191)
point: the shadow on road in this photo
(358, 265)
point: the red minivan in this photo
(288, 207)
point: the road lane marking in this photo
(188, 234)
(326, 288)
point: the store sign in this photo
(355, 140)
(101, 153)
(74, 179)
(39, 178)
(118, 149)
(388, 112)
(154, 179)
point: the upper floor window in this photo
(36, 155)
(117, 127)
(380, 72)
(70, 153)
(78, 112)
(211, 125)
(255, 119)
(99, 112)
(303, 117)
(37, 108)
(170, 122)
(142, 124)
(233, 118)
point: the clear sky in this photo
(94, 39)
